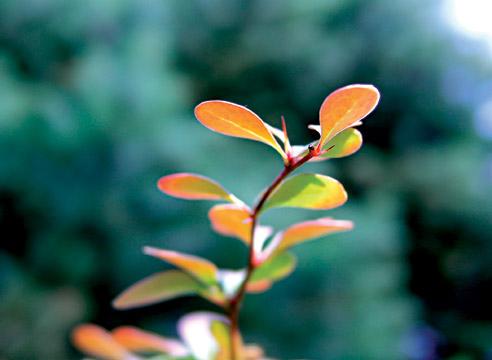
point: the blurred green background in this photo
(96, 103)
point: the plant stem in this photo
(236, 301)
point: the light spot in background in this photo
(472, 17)
(483, 120)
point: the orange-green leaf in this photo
(344, 108)
(201, 269)
(310, 191)
(193, 187)
(138, 340)
(344, 144)
(195, 330)
(158, 287)
(309, 230)
(235, 120)
(258, 286)
(275, 268)
(96, 341)
(231, 220)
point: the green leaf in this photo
(310, 191)
(275, 268)
(158, 287)
(344, 144)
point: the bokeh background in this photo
(96, 103)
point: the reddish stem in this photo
(236, 301)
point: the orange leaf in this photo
(308, 230)
(259, 286)
(193, 187)
(202, 269)
(231, 220)
(96, 341)
(138, 340)
(344, 108)
(235, 120)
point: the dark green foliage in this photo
(94, 105)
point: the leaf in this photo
(309, 230)
(344, 144)
(138, 340)
(201, 269)
(195, 330)
(344, 108)
(235, 120)
(96, 341)
(258, 286)
(310, 191)
(231, 220)
(220, 332)
(156, 288)
(193, 187)
(275, 268)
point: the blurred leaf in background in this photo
(96, 103)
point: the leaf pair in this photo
(204, 336)
(124, 343)
(198, 276)
(341, 110)
(310, 191)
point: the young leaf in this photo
(344, 144)
(137, 340)
(309, 230)
(195, 330)
(193, 187)
(96, 341)
(274, 269)
(310, 191)
(231, 220)
(156, 288)
(344, 108)
(234, 120)
(201, 269)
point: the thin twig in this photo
(236, 301)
